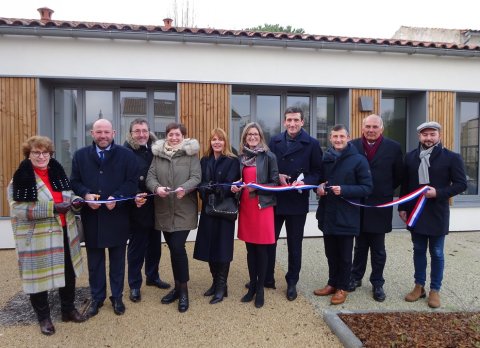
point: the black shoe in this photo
(46, 327)
(378, 294)
(268, 285)
(353, 285)
(158, 283)
(74, 316)
(118, 306)
(183, 303)
(248, 297)
(259, 299)
(291, 292)
(93, 309)
(135, 295)
(172, 296)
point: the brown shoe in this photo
(433, 299)
(417, 292)
(74, 316)
(327, 290)
(339, 297)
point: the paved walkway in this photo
(231, 324)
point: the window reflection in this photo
(394, 115)
(268, 115)
(164, 111)
(98, 104)
(241, 115)
(132, 106)
(469, 112)
(65, 123)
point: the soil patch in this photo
(415, 329)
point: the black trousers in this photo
(294, 224)
(338, 250)
(257, 259)
(97, 272)
(178, 255)
(39, 300)
(145, 244)
(378, 257)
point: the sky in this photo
(353, 18)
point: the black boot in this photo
(259, 298)
(183, 298)
(248, 297)
(173, 295)
(221, 289)
(213, 271)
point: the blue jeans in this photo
(435, 246)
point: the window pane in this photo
(394, 115)
(325, 118)
(164, 111)
(132, 106)
(469, 112)
(98, 104)
(304, 104)
(65, 127)
(241, 115)
(268, 115)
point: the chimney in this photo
(167, 23)
(45, 14)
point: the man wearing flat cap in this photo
(443, 172)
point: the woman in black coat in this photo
(214, 243)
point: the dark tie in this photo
(102, 155)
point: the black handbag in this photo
(226, 208)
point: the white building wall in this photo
(167, 61)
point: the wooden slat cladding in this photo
(204, 107)
(356, 114)
(441, 108)
(18, 121)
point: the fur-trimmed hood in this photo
(129, 142)
(190, 147)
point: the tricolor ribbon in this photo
(412, 219)
(417, 210)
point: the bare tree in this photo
(183, 13)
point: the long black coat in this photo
(215, 235)
(350, 171)
(143, 217)
(447, 176)
(115, 176)
(386, 168)
(303, 156)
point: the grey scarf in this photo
(423, 176)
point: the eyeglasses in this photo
(37, 154)
(253, 135)
(140, 131)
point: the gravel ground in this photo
(279, 323)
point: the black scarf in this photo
(25, 184)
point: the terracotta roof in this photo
(113, 28)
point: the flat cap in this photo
(429, 125)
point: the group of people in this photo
(164, 177)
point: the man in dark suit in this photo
(104, 171)
(386, 164)
(145, 244)
(443, 172)
(297, 154)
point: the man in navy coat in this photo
(443, 172)
(297, 153)
(104, 171)
(386, 165)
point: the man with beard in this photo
(443, 172)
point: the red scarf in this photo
(57, 196)
(371, 150)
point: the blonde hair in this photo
(222, 135)
(243, 141)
